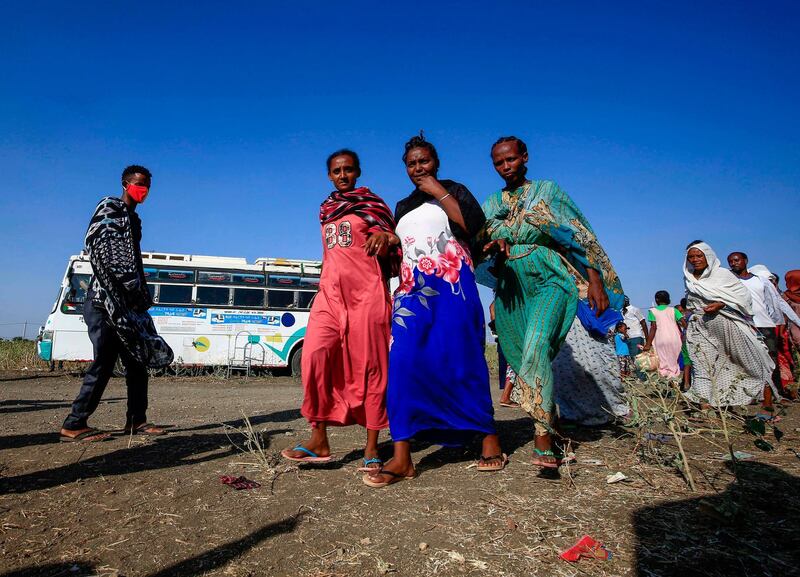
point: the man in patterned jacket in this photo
(115, 312)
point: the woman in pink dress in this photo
(346, 349)
(665, 334)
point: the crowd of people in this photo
(733, 340)
(414, 362)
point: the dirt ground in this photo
(155, 507)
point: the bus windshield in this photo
(76, 294)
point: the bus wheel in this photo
(297, 358)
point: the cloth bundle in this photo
(647, 361)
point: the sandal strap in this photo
(308, 452)
(373, 461)
(391, 474)
(491, 458)
(545, 453)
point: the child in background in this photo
(621, 345)
(666, 323)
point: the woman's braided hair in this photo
(420, 142)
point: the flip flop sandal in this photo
(367, 462)
(90, 436)
(544, 464)
(147, 429)
(311, 457)
(487, 467)
(393, 478)
(768, 418)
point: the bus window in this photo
(309, 282)
(170, 294)
(175, 275)
(248, 279)
(213, 277)
(244, 297)
(283, 281)
(152, 289)
(280, 299)
(76, 294)
(213, 295)
(304, 299)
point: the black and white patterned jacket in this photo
(119, 285)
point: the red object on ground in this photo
(586, 548)
(239, 483)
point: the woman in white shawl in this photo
(731, 364)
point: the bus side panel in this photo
(72, 346)
(70, 339)
(201, 336)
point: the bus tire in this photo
(296, 362)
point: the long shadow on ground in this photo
(65, 569)
(220, 555)
(28, 440)
(752, 528)
(37, 376)
(162, 453)
(30, 405)
(197, 565)
(283, 416)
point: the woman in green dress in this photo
(546, 258)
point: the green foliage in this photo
(763, 445)
(756, 426)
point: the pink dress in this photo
(667, 342)
(346, 349)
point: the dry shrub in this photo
(16, 355)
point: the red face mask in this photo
(137, 192)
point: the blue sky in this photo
(665, 121)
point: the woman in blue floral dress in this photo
(438, 387)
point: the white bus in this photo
(213, 311)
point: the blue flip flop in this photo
(311, 457)
(365, 468)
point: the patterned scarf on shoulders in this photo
(119, 284)
(370, 207)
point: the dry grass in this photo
(158, 505)
(18, 355)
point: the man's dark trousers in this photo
(107, 348)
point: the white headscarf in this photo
(772, 298)
(760, 271)
(717, 283)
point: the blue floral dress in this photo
(438, 387)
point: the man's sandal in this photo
(90, 436)
(147, 429)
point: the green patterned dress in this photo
(538, 288)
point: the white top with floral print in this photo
(429, 246)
